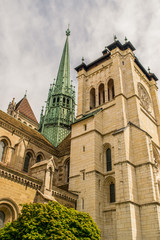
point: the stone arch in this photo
(39, 157)
(9, 208)
(31, 151)
(110, 192)
(101, 94)
(29, 157)
(49, 174)
(108, 158)
(92, 98)
(5, 143)
(111, 91)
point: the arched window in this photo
(2, 219)
(92, 98)
(64, 101)
(3, 146)
(26, 162)
(39, 158)
(67, 170)
(57, 99)
(54, 100)
(50, 178)
(112, 192)
(108, 159)
(101, 94)
(111, 93)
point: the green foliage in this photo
(50, 221)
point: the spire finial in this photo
(115, 38)
(125, 39)
(82, 59)
(149, 69)
(68, 31)
(25, 95)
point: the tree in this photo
(39, 221)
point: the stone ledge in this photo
(19, 177)
(57, 192)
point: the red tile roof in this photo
(24, 108)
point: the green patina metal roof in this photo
(55, 124)
(63, 76)
(91, 114)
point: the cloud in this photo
(32, 36)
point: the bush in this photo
(50, 221)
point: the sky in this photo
(32, 37)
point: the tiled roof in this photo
(88, 115)
(64, 146)
(24, 108)
(27, 130)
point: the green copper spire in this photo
(55, 124)
(63, 76)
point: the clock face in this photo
(144, 97)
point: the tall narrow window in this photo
(50, 178)
(109, 159)
(54, 100)
(2, 150)
(101, 94)
(111, 93)
(64, 101)
(67, 170)
(82, 203)
(112, 192)
(26, 162)
(92, 98)
(2, 219)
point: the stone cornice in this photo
(57, 192)
(138, 204)
(19, 177)
(135, 166)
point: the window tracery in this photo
(144, 97)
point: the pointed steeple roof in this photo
(24, 108)
(59, 114)
(63, 76)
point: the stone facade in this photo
(24, 180)
(118, 112)
(109, 166)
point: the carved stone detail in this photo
(144, 97)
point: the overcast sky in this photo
(32, 37)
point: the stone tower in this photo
(115, 150)
(55, 124)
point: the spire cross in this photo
(68, 31)
(25, 95)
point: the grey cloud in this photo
(32, 36)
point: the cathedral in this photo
(105, 161)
